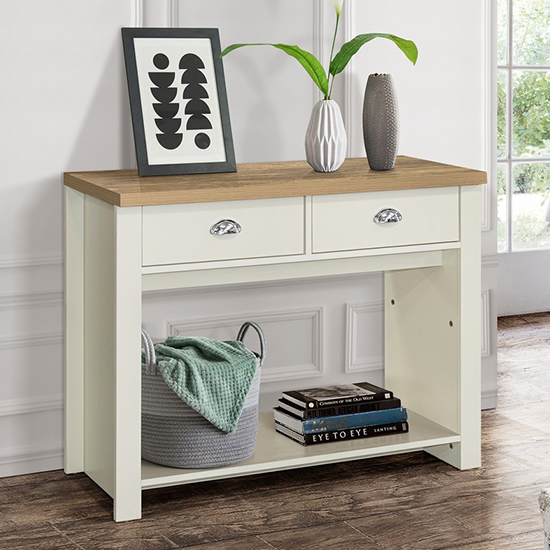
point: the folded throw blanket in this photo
(212, 377)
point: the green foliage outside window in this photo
(530, 124)
(530, 93)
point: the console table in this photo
(126, 235)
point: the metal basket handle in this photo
(150, 357)
(242, 333)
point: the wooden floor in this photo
(410, 502)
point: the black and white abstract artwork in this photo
(178, 101)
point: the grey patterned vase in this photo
(380, 122)
(326, 138)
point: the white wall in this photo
(63, 107)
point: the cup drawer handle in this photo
(388, 215)
(225, 227)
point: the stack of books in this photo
(339, 413)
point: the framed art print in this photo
(178, 101)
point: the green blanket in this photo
(212, 377)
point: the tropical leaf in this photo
(349, 49)
(308, 61)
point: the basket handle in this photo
(242, 333)
(150, 357)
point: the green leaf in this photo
(308, 61)
(349, 49)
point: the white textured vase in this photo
(326, 139)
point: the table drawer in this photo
(346, 222)
(181, 233)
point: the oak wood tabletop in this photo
(268, 180)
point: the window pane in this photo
(530, 215)
(531, 114)
(502, 31)
(502, 208)
(531, 27)
(501, 114)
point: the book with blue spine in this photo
(340, 422)
(353, 408)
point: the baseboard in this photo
(31, 459)
(489, 398)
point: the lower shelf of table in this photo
(274, 452)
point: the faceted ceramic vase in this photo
(326, 139)
(380, 122)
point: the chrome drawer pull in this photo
(225, 227)
(388, 215)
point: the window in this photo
(523, 115)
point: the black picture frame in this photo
(178, 101)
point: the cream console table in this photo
(126, 235)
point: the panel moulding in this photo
(486, 205)
(155, 13)
(12, 407)
(173, 13)
(137, 13)
(485, 323)
(44, 339)
(269, 374)
(318, 44)
(14, 262)
(354, 363)
(489, 261)
(488, 213)
(28, 300)
(350, 113)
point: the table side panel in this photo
(99, 344)
(422, 363)
(127, 338)
(74, 331)
(468, 452)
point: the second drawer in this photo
(346, 222)
(180, 233)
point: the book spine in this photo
(317, 404)
(359, 420)
(352, 433)
(380, 405)
(351, 400)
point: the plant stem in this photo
(332, 55)
(330, 90)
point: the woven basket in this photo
(174, 434)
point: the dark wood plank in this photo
(247, 543)
(101, 533)
(522, 541)
(24, 535)
(336, 535)
(52, 496)
(423, 528)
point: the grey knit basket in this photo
(173, 434)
